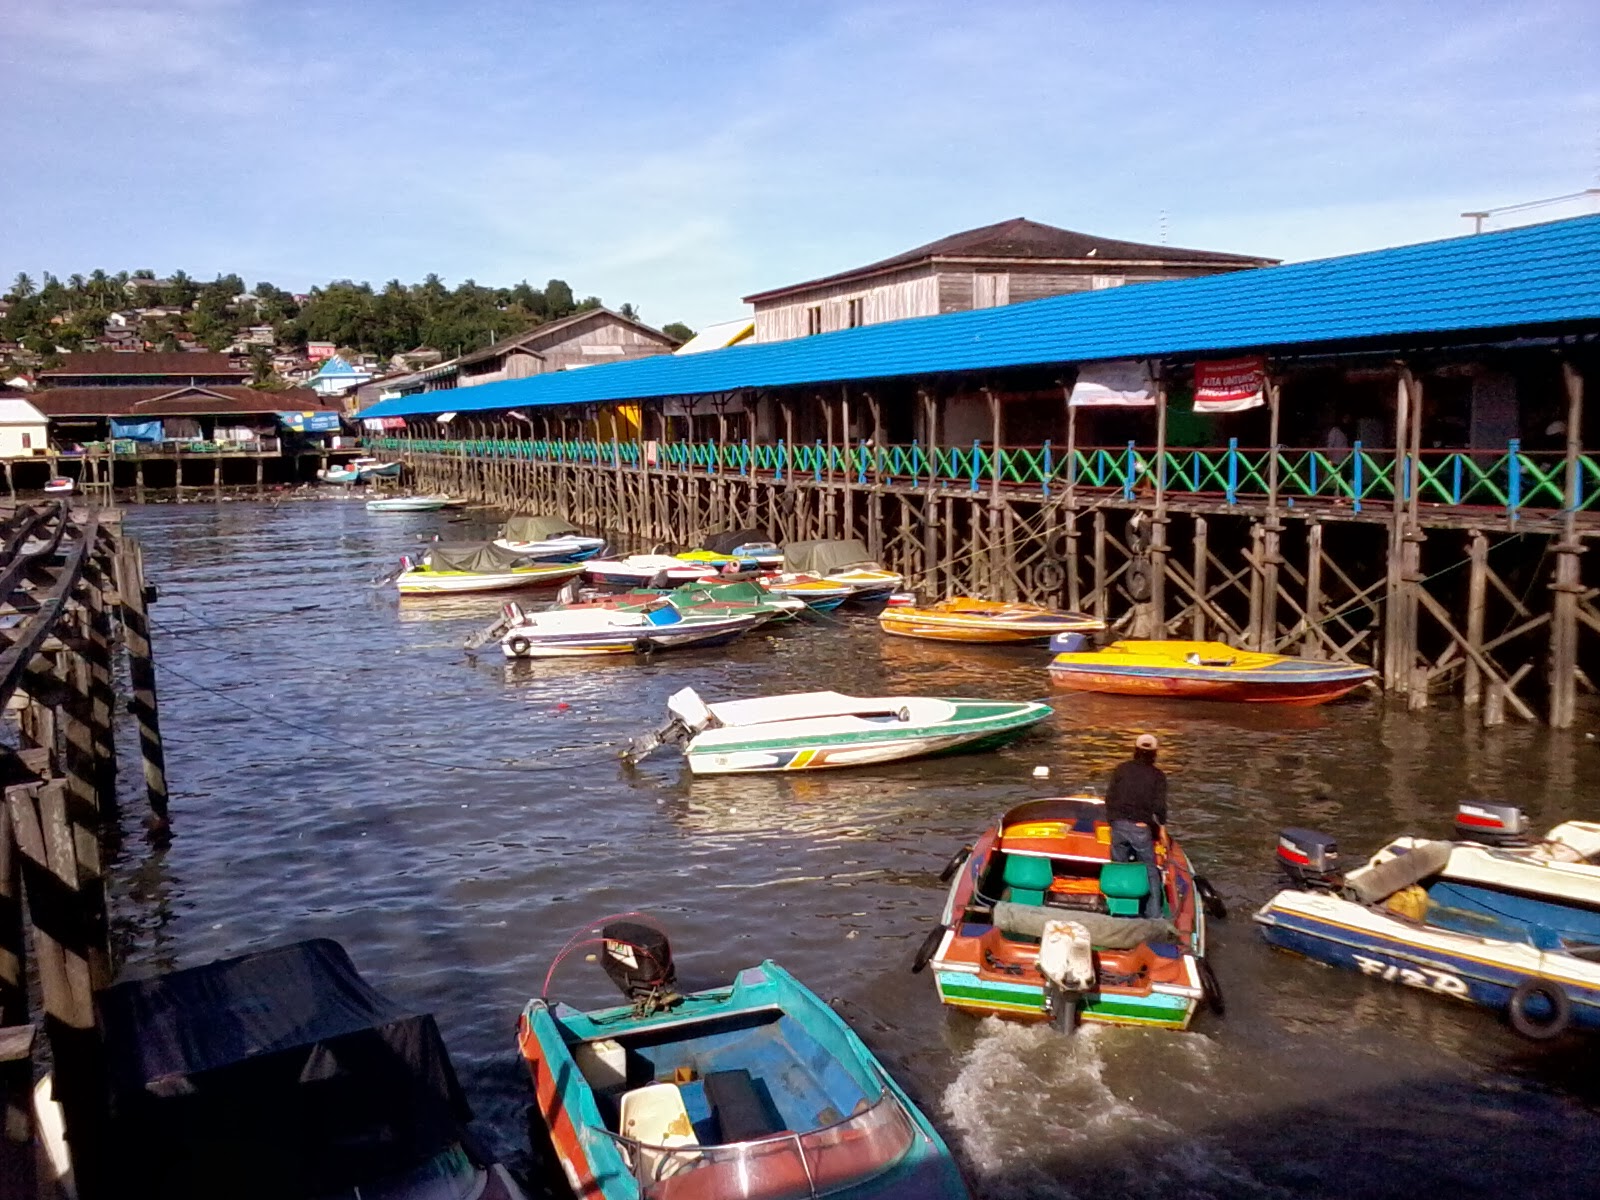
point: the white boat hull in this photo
(430, 583)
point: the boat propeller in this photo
(640, 748)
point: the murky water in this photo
(340, 769)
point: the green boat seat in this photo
(1026, 878)
(1124, 885)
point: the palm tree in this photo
(22, 286)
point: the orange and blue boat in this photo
(1200, 671)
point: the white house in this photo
(336, 377)
(23, 428)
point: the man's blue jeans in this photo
(1133, 842)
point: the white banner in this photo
(1124, 384)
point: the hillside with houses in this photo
(283, 339)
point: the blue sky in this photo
(680, 156)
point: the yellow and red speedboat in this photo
(1040, 924)
(1201, 671)
(963, 619)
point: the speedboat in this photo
(1200, 671)
(818, 594)
(645, 570)
(1495, 920)
(60, 485)
(477, 567)
(692, 598)
(1040, 924)
(284, 1073)
(843, 562)
(548, 539)
(755, 1091)
(584, 632)
(963, 619)
(377, 470)
(748, 550)
(408, 504)
(812, 730)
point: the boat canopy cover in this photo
(723, 593)
(278, 1073)
(531, 527)
(483, 558)
(1105, 932)
(824, 557)
(1372, 885)
(726, 541)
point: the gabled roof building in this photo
(987, 267)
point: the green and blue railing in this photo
(1514, 480)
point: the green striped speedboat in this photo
(807, 731)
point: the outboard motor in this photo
(1069, 643)
(1309, 859)
(638, 959)
(1491, 823)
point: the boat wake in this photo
(1035, 1118)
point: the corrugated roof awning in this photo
(1537, 276)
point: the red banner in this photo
(1230, 385)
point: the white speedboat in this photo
(813, 730)
(584, 632)
(1500, 921)
(407, 504)
(646, 570)
(548, 539)
(455, 567)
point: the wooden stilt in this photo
(1101, 600)
(1311, 645)
(1478, 569)
(1197, 627)
(142, 675)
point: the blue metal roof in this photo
(1537, 275)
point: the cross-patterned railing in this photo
(1514, 480)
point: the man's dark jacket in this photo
(1138, 792)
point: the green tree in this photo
(629, 311)
(678, 330)
(558, 298)
(22, 286)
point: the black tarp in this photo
(726, 541)
(484, 558)
(530, 528)
(280, 1073)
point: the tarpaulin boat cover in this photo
(530, 527)
(279, 1073)
(723, 593)
(483, 558)
(824, 557)
(726, 541)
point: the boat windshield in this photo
(786, 1166)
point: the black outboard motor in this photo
(1491, 823)
(638, 959)
(1309, 859)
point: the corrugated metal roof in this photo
(1537, 275)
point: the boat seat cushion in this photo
(665, 615)
(1124, 886)
(1026, 878)
(1124, 881)
(742, 1110)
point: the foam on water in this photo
(1037, 1118)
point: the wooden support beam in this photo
(1311, 647)
(1478, 560)
(142, 676)
(1197, 628)
(1567, 584)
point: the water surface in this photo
(340, 769)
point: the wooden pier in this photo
(1453, 572)
(74, 601)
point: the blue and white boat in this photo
(1502, 921)
(757, 1091)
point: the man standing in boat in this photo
(1136, 806)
